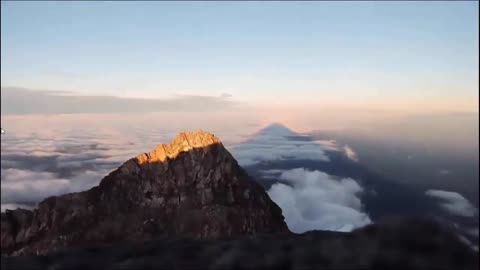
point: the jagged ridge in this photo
(191, 187)
(183, 142)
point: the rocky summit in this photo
(191, 188)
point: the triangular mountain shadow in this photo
(277, 129)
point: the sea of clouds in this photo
(47, 155)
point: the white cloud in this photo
(30, 186)
(453, 202)
(350, 153)
(315, 201)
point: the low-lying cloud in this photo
(453, 202)
(31, 187)
(312, 200)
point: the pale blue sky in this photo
(249, 49)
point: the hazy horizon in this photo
(398, 57)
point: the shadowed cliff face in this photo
(403, 244)
(191, 187)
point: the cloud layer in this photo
(31, 187)
(315, 201)
(453, 202)
(46, 155)
(21, 101)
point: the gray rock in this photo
(191, 187)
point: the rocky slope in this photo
(191, 188)
(403, 244)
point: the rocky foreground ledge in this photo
(406, 244)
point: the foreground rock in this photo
(404, 244)
(191, 187)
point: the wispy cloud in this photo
(350, 153)
(27, 101)
(453, 202)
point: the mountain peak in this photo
(198, 138)
(191, 187)
(183, 142)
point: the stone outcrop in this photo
(405, 244)
(190, 188)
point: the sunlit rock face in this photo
(191, 187)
